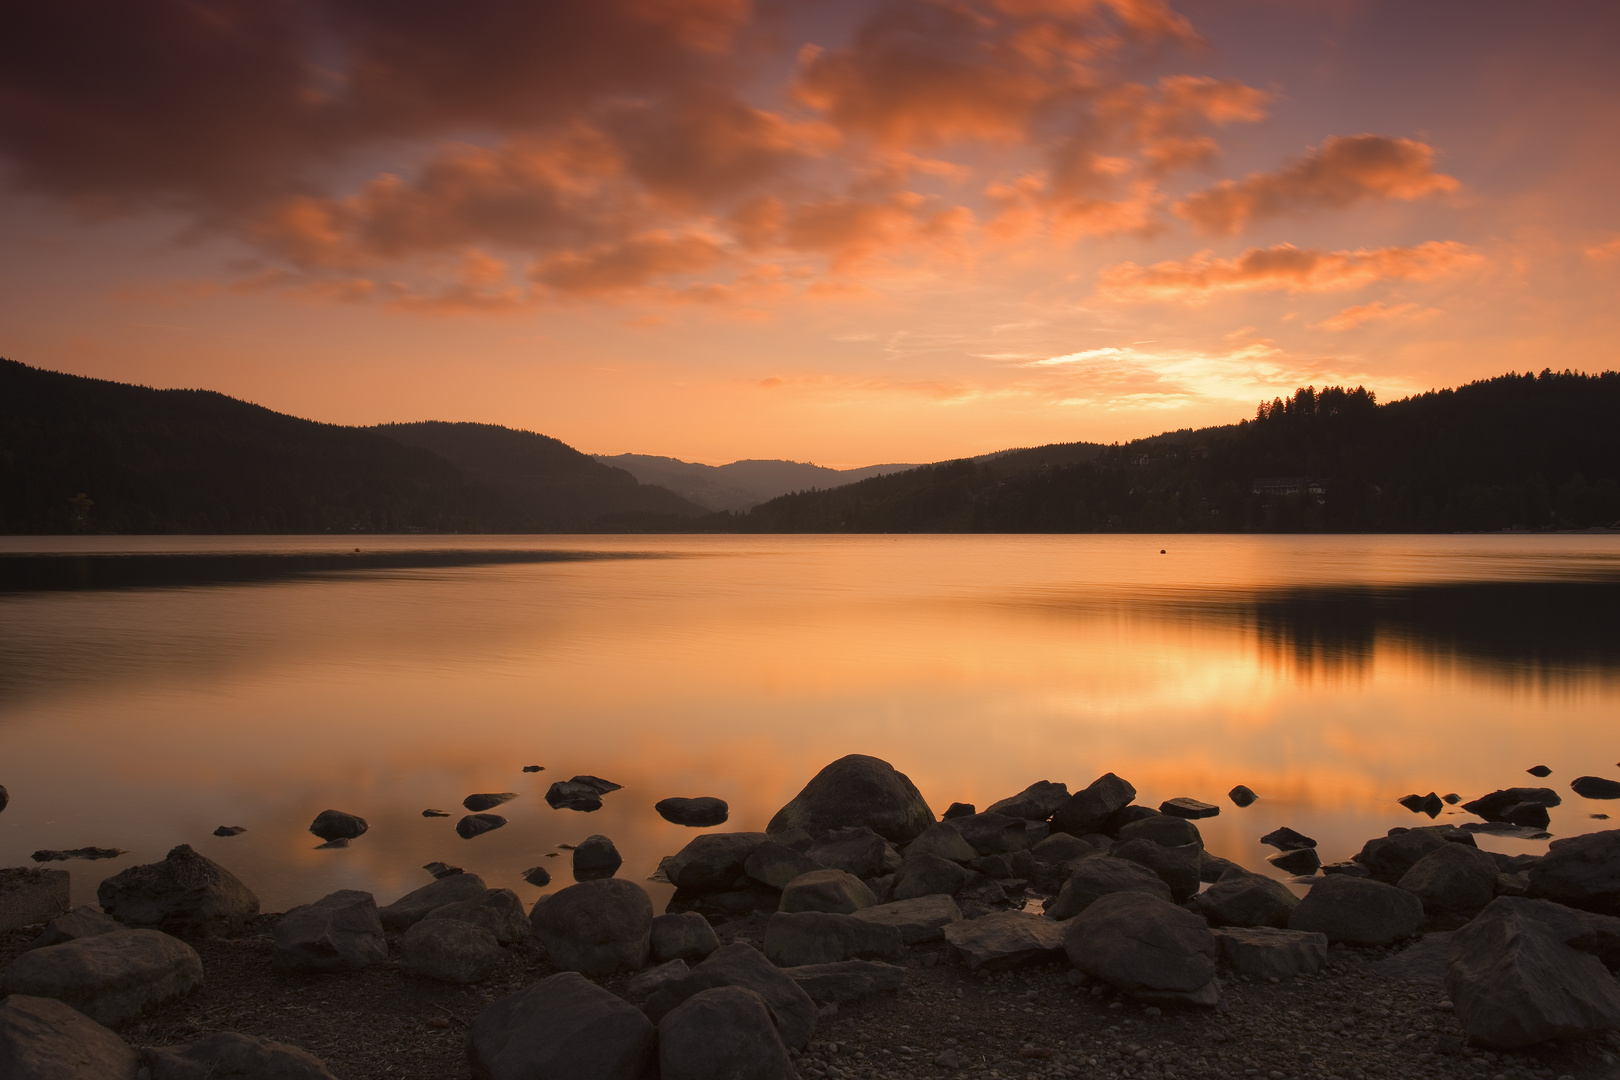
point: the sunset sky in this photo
(842, 232)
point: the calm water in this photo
(1332, 675)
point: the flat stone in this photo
(855, 850)
(44, 1039)
(1595, 787)
(187, 894)
(919, 919)
(596, 927)
(338, 825)
(846, 980)
(1188, 808)
(1286, 839)
(726, 1031)
(826, 890)
(923, 874)
(682, 936)
(498, 911)
(793, 939)
(82, 922)
(1088, 809)
(1148, 948)
(1424, 961)
(29, 896)
(478, 824)
(1358, 911)
(998, 834)
(1298, 861)
(230, 830)
(111, 978)
(229, 1055)
(1163, 829)
(339, 932)
(857, 790)
(88, 853)
(487, 800)
(414, 906)
(1268, 953)
(1003, 940)
(702, 812)
(449, 950)
(562, 1026)
(1037, 802)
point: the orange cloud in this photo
(1352, 317)
(1283, 267)
(1605, 252)
(627, 264)
(1344, 171)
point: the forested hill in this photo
(88, 455)
(1519, 451)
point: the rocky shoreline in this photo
(1053, 935)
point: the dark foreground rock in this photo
(1268, 953)
(1037, 802)
(1188, 808)
(1152, 950)
(414, 906)
(111, 978)
(339, 932)
(233, 1056)
(1089, 809)
(563, 1026)
(1099, 876)
(29, 895)
(1595, 787)
(826, 890)
(596, 857)
(1454, 880)
(1358, 911)
(1581, 871)
(723, 1032)
(1247, 900)
(921, 919)
(337, 825)
(1005, 939)
(498, 911)
(739, 964)
(714, 861)
(684, 935)
(449, 950)
(698, 813)
(82, 922)
(44, 1039)
(596, 927)
(820, 937)
(857, 790)
(187, 894)
(774, 865)
(846, 980)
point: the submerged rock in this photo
(1496, 805)
(478, 824)
(1298, 861)
(857, 790)
(337, 825)
(698, 813)
(488, 800)
(186, 894)
(537, 875)
(1286, 839)
(1242, 796)
(1090, 808)
(1595, 787)
(230, 830)
(435, 813)
(1539, 770)
(596, 857)
(441, 869)
(92, 853)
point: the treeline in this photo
(1516, 452)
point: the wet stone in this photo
(1242, 796)
(478, 824)
(1188, 808)
(337, 825)
(1286, 839)
(1298, 861)
(488, 800)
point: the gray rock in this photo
(414, 906)
(487, 800)
(858, 790)
(1037, 802)
(1286, 839)
(337, 825)
(1148, 948)
(596, 927)
(644, 984)
(187, 894)
(1390, 857)
(700, 813)
(1177, 867)
(1099, 876)
(945, 841)
(537, 876)
(724, 1032)
(1211, 868)
(1087, 810)
(1003, 940)
(1358, 911)
(1595, 787)
(1268, 953)
(826, 890)
(998, 834)
(793, 939)
(1242, 796)
(1188, 808)
(958, 809)
(922, 918)
(713, 862)
(882, 888)
(774, 865)
(232, 1056)
(442, 869)
(740, 964)
(596, 857)
(111, 978)
(564, 1026)
(1061, 848)
(1347, 866)
(1018, 864)
(81, 922)
(1424, 961)
(230, 830)
(1581, 871)
(1494, 807)
(685, 935)
(498, 911)
(1454, 879)
(574, 795)
(1514, 982)
(928, 875)
(478, 824)
(1299, 861)
(5, 797)
(449, 950)
(29, 895)
(338, 932)
(846, 980)
(44, 1039)
(1246, 900)
(1163, 829)
(855, 850)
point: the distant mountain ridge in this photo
(741, 484)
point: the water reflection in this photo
(1332, 675)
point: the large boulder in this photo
(723, 1032)
(1099, 876)
(1149, 948)
(1243, 899)
(1003, 940)
(713, 862)
(921, 918)
(702, 812)
(998, 834)
(857, 790)
(684, 935)
(187, 894)
(415, 906)
(1037, 802)
(564, 1026)
(44, 1039)
(1388, 858)
(774, 865)
(498, 911)
(596, 857)
(595, 927)
(846, 980)
(1088, 810)
(232, 1056)
(945, 841)
(1177, 867)
(821, 937)
(1265, 952)
(30, 895)
(826, 890)
(923, 874)
(449, 950)
(1358, 911)
(1514, 980)
(1595, 787)
(332, 825)
(740, 964)
(338, 932)
(1498, 805)
(1166, 830)
(1454, 879)
(111, 978)
(1581, 871)
(82, 922)
(855, 850)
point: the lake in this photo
(153, 688)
